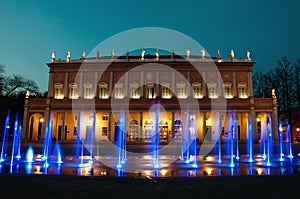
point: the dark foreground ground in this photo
(53, 186)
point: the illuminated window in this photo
(88, 91)
(134, 91)
(73, 91)
(212, 90)
(227, 90)
(197, 90)
(103, 90)
(165, 91)
(150, 91)
(181, 91)
(119, 91)
(242, 90)
(58, 91)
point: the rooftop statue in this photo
(218, 54)
(188, 52)
(203, 53)
(112, 53)
(69, 55)
(248, 55)
(232, 54)
(143, 54)
(157, 54)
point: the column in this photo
(157, 84)
(172, 127)
(63, 133)
(80, 85)
(95, 84)
(234, 84)
(220, 86)
(204, 124)
(50, 85)
(275, 120)
(25, 121)
(253, 120)
(188, 85)
(109, 127)
(110, 83)
(126, 85)
(66, 84)
(203, 84)
(141, 127)
(173, 83)
(250, 85)
(142, 84)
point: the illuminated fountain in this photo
(5, 138)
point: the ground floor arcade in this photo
(141, 127)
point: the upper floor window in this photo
(73, 93)
(242, 90)
(103, 91)
(59, 94)
(150, 91)
(134, 94)
(165, 91)
(119, 91)
(88, 90)
(181, 90)
(197, 90)
(212, 90)
(227, 90)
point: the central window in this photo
(134, 90)
(227, 90)
(103, 91)
(58, 91)
(88, 90)
(150, 91)
(242, 90)
(197, 90)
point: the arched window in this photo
(119, 91)
(165, 90)
(197, 90)
(133, 131)
(212, 90)
(134, 94)
(58, 91)
(227, 90)
(242, 90)
(181, 94)
(103, 90)
(73, 91)
(88, 90)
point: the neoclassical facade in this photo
(95, 97)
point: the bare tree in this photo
(17, 84)
(2, 71)
(261, 85)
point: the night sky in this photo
(31, 29)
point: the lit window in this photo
(103, 91)
(119, 91)
(197, 90)
(58, 91)
(227, 90)
(88, 91)
(242, 90)
(73, 91)
(150, 91)
(165, 91)
(212, 90)
(181, 91)
(134, 91)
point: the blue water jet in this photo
(29, 157)
(57, 153)
(5, 137)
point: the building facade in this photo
(96, 97)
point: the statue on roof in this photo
(83, 54)
(188, 52)
(52, 56)
(172, 53)
(248, 55)
(232, 54)
(68, 55)
(112, 53)
(157, 54)
(27, 93)
(97, 54)
(218, 54)
(127, 54)
(273, 93)
(203, 53)
(143, 54)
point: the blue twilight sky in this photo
(31, 29)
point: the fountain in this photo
(221, 159)
(5, 137)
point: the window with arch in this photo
(181, 94)
(88, 90)
(197, 90)
(73, 91)
(165, 91)
(103, 90)
(134, 131)
(227, 90)
(150, 91)
(212, 90)
(134, 92)
(58, 91)
(242, 90)
(119, 91)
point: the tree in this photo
(17, 84)
(261, 85)
(2, 71)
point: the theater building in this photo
(94, 97)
